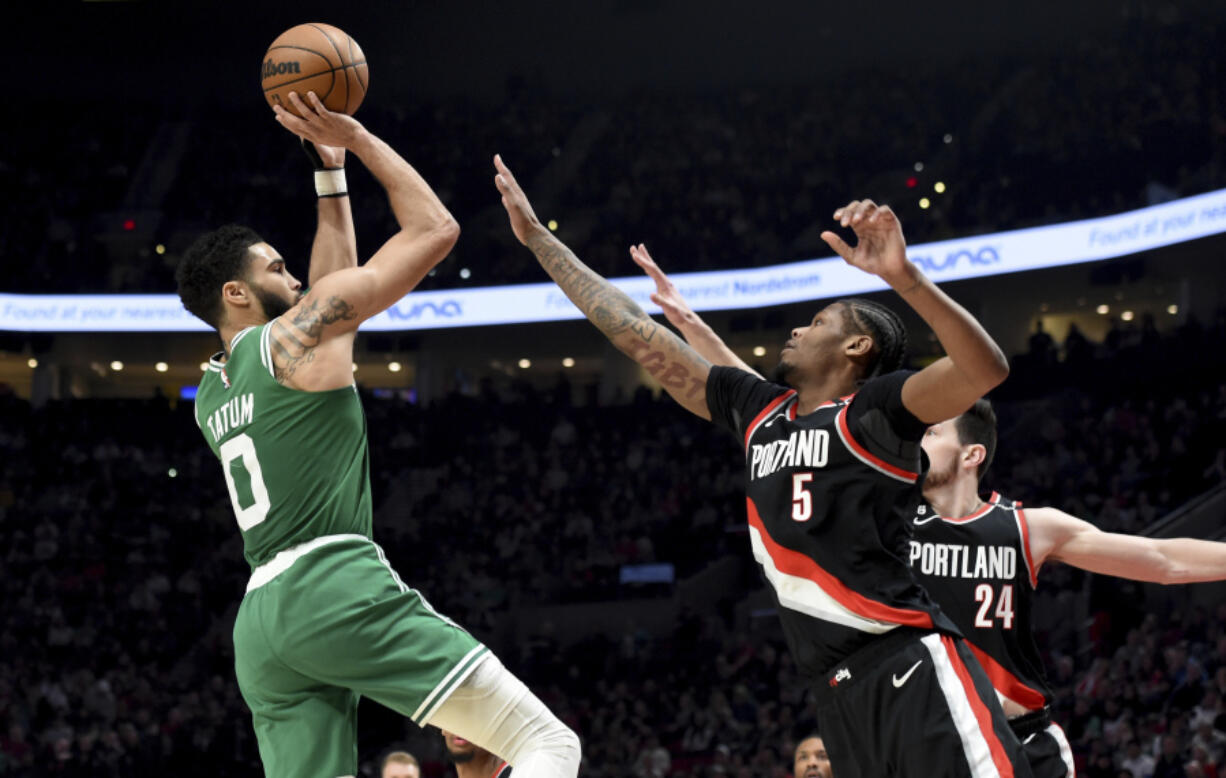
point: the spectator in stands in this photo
(809, 760)
(400, 764)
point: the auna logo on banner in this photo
(447, 309)
(984, 255)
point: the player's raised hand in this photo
(880, 248)
(523, 219)
(675, 308)
(324, 157)
(319, 125)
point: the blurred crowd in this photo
(711, 180)
(123, 571)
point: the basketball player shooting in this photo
(326, 619)
(833, 465)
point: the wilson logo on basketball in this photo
(278, 68)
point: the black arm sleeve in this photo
(735, 397)
(884, 394)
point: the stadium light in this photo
(553, 225)
(1127, 315)
(116, 365)
(525, 363)
(568, 362)
(939, 187)
(1172, 309)
(759, 351)
(161, 367)
(924, 203)
(1103, 309)
(393, 366)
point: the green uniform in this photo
(325, 619)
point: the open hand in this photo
(667, 296)
(523, 219)
(319, 125)
(880, 249)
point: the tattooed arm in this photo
(678, 368)
(679, 314)
(312, 343)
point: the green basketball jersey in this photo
(296, 463)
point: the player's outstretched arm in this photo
(335, 246)
(679, 369)
(696, 332)
(974, 365)
(1056, 535)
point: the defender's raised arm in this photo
(678, 312)
(678, 368)
(974, 365)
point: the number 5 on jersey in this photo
(245, 481)
(802, 499)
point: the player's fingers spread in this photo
(318, 104)
(845, 213)
(863, 209)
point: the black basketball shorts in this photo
(916, 704)
(1045, 746)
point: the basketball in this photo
(315, 58)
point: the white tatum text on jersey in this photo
(802, 448)
(955, 560)
(234, 413)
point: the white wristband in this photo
(331, 183)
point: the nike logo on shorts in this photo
(900, 681)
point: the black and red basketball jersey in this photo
(978, 568)
(829, 496)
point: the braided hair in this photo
(865, 317)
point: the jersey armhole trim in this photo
(266, 349)
(866, 456)
(1023, 528)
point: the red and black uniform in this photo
(980, 570)
(830, 496)
(503, 771)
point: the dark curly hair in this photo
(865, 317)
(215, 258)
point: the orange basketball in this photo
(315, 58)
